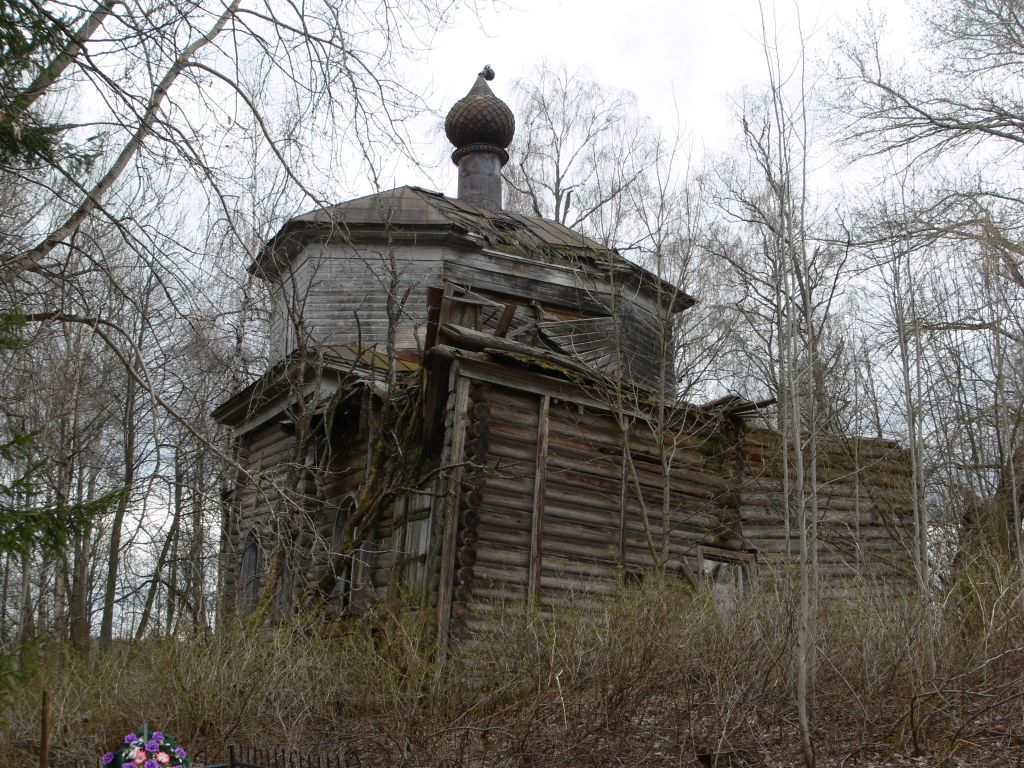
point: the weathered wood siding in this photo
(864, 507)
(406, 550)
(341, 293)
(547, 494)
(504, 444)
(542, 500)
(583, 545)
(551, 502)
(556, 513)
(265, 454)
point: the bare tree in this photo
(579, 149)
(955, 117)
(202, 125)
(791, 277)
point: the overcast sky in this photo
(684, 59)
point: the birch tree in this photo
(954, 116)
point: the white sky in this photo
(684, 59)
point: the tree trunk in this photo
(4, 595)
(114, 553)
(172, 540)
(26, 625)
(161, 560)
(78, 603)
(196, 576)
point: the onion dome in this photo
(480, 120)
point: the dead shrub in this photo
(654, 676)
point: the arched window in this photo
(249, 573)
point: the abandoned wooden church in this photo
(468, 406)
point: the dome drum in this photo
(460, 153)
(481, 126)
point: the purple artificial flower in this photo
(158, 736)
(130, 738)
(180, 753)
(108, 758)
(151, 763)
(153, 745)
(127, 765)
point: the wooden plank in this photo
(480, 367)
(539, 489)
(505, 321)
(571, 547)
(502, 536)
(501, 563)
(479, 340)
(623, 497)
(517, 276)
(604, 517)
(574, 497)
(593, 568)
(451, 511)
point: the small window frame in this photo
(250, 572)
(744, 562)
(413, 516)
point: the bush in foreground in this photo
(653, 677)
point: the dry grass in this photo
(652, 678)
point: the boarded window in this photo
(412, 542)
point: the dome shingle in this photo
(480, 117)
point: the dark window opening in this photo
(342, 561)
(249, 575)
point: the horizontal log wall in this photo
(543, 502)
(864, 507)
(582, 545)
(265, 454)
(560, 513)
(341, 468)
(504, 444)
(406, 551)
(272, 493)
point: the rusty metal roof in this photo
(416, 207)
(413, 210)
(365, 358)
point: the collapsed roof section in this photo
(319, 377)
